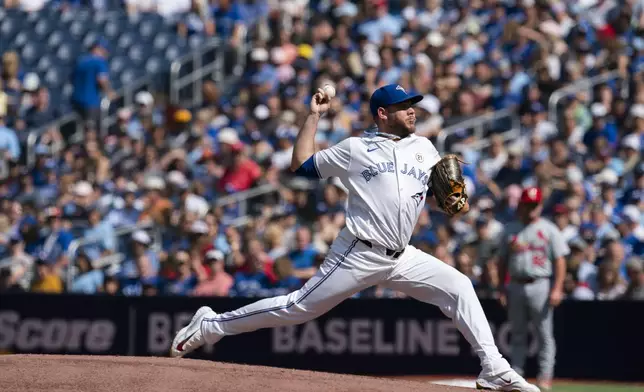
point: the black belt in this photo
(390, 252)
(526, 280)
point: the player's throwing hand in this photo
(320, 103)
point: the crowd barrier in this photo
(595, 340)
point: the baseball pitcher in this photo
(389, 174)
(533, 245)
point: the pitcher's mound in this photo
(67, 373)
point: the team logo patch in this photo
(420, 158)
(399, 87)
(419, 197)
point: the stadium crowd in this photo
(166, 169)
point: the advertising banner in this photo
(595, 340)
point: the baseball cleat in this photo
(190, 337)
(509, 381)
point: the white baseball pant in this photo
(352, 266)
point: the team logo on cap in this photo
(419, 158)
(532, 193)
(399, 87)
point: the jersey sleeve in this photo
(334, 161)
(558, 245)
(102, 69)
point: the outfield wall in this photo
(595, 340)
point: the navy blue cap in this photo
(388, 95)
(101, 42)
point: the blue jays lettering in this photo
(389, 167)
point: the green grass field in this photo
(564, 387)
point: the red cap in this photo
(531, 195)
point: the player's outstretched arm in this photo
(305, 142)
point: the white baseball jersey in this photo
(387, 182)
(529, 250)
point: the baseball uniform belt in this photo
(526, 280)
(390, 252)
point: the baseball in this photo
(329, 90)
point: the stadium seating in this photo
(49, 41)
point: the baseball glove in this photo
(448, 184)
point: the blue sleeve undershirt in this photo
(308, 169)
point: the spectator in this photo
(185, 278)
(583, 272)
(256, 254)
(144, 277)
(632, 231)
(19, 265)
(486, 207)
(575, 290)
(635, 289)
(9, 143)
(240, 173)
(110, 286)
(100, 231)
(157, 206)
(445, 238)
(612, 251)
(285, 281)
(46, 279)
(4, 102)
(275, 242)
(512, 171)
(251, 280)
(489, 285)
(485, 245)
(604, 229)
(89, 78)
(26, 5)
(465, 265)
(40, 113)
(128, 214)
(562, 220)
(303, 256)
(492, 164)
(218, 282)
(10, 81)
(609, 284)
(196, 20)
(55, 238)
(229, 21)
(380, 22)
(168, 166)
(88, 280)
(630, 152)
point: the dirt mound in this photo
(62, 373)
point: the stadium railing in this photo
(575, 88)
(67, 121)
(117, 257)
(242, 200)
(481, 144)
(479, 125)
(124, 98)
(206, 61)
(188, 73)
(70, 123)
(579, 86)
